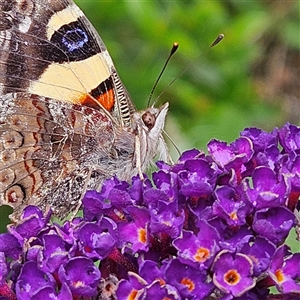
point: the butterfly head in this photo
(149, 125)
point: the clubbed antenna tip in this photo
(173, 50)
(218, 39)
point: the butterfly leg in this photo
(138, 161)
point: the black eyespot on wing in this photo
(72, 42)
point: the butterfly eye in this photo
(149, 119)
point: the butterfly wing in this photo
(62, 105)
(49, 48)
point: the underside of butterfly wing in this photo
(52, 151)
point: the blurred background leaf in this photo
(250, 79)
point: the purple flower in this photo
(285, 271)
(167, 183)
(138, 188)
(290, 169)
(198, 250)
(261, 140)
(274, 223)
(94, 204)
(10, 246)
(32, 282)
(233, 238)
(233, 273)
(191, 283)
(150, 271)
(132, 288)
(32, 222)
(135, 235)
(231, 205)
(114, 195)
(158, 291)
(166, 219)
(81, 275)
(261, 252)
(185, 156)
(197, 179)
(266, 152)
(289, 138)
(268, 190)
(208, 227)
(52, 254)
(49, 293)
(3, 268)
(97, 240)
(233, 156)
(150, 284)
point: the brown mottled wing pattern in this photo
(59, 103)
(48, 151)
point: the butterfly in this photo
(67, 122)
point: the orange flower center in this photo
(234, 216)
(188, 283)
(142, 235)
(132, 295)
(279, 275)
(232, 277)
(202, 254)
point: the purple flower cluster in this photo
(209, 227)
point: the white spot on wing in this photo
(25, 24)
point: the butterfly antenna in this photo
(217, 40)
(173, 50)
(172, 142)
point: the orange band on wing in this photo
(103, 94)
(88, 100)
(107, 100)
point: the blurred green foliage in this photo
(217, 95)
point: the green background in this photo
(250, 79)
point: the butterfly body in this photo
(66, 121)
